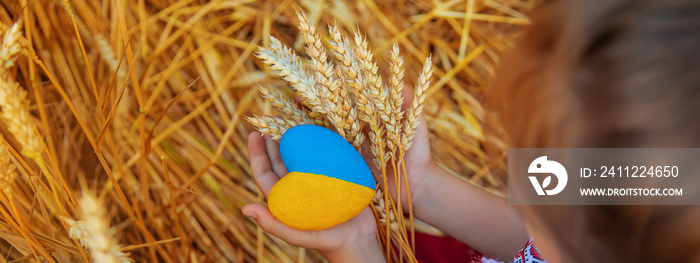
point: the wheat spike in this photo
(275, 127)
(288, 66)
(319, 60)
(348, 73)
(411, 122)
(396, 81)
(371, 78)
(346, 100)
(361, 108)
(395, 86)
(7, 170)
(11, 45)
(380, 206)
(15, 111)
(354, 134)
(323, 73)
(343, 51)
(76, 230)
(15, 106)
(354, 82)
(376, 138)
(100, 237)
(379, 110)
(285, 105)
(349, 64)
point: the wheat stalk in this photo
(106, 50)
(99, 236)
(411, 122)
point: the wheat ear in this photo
(100, 237)
(396, 100)
(411, 122)
(371, 78)
(329, 87)
(8, 170)
(11, 45)
(275, 127)
(15, 106)
(378, 110)
(354, 86)
(380, 206)
(285, 105)
(288, 66)
(319, 60)
(349, 64)
(76, 230)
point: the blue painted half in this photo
(317, 150)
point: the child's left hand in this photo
(353, 240)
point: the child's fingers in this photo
(261, 214)
(421, 140)
(273, 152)
(263, 174)
(407, 94)
(299, 102)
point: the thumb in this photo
(262, 215)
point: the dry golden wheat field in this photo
(124, 122)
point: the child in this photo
(614, 73)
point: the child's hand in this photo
(353, 240)
(418, 161)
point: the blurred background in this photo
(140, 104)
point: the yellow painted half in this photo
(313, 202)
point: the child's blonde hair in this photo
(614, 73)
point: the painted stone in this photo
(328, 181)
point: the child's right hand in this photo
(352, 241)
(418, 161)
